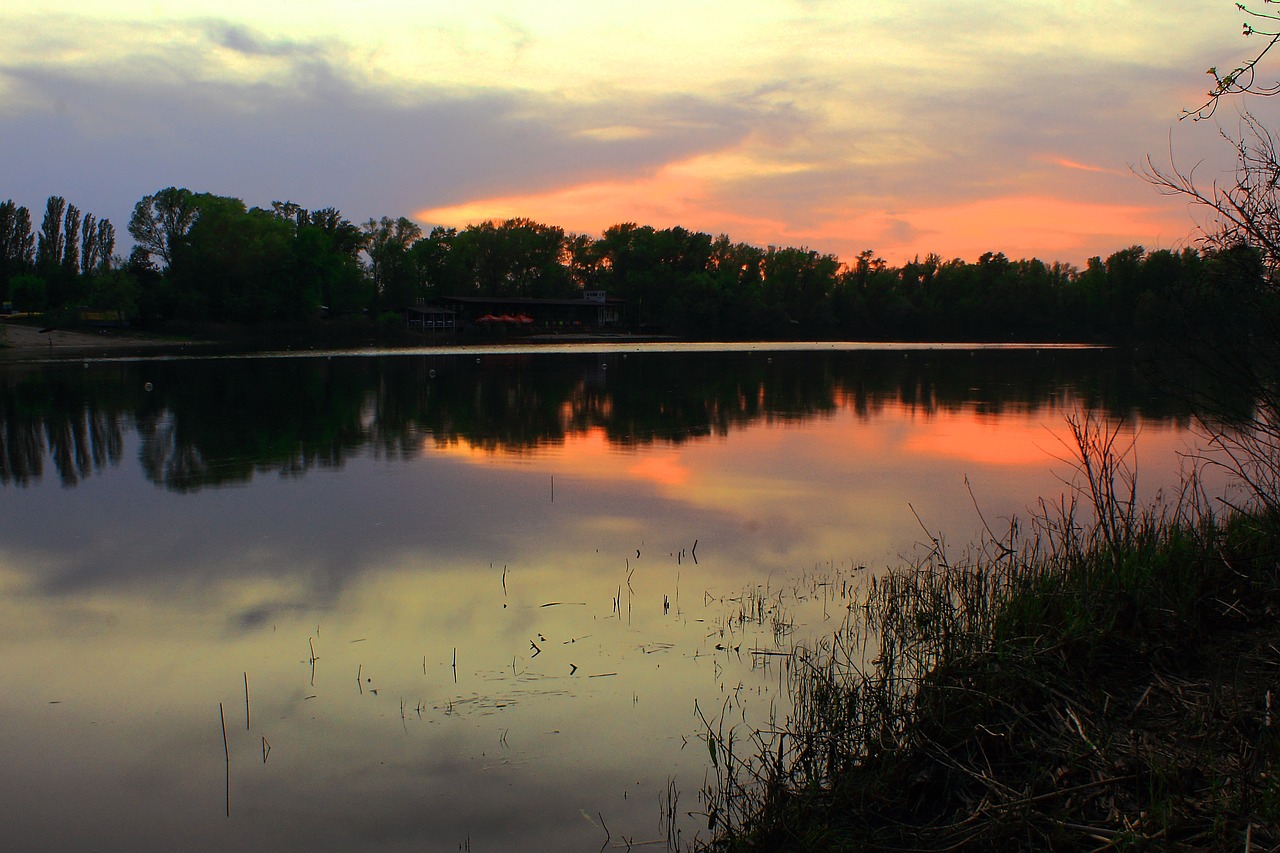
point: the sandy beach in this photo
(19, 340)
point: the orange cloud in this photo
(686, 193)
(676, 194)
(1082, 167)
(1020, 226)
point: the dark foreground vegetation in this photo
(208, 264)
(1105, 679)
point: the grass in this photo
(1106, 678)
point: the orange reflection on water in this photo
(986, 439)
(848, 482)
(665, 469)
(587, 454)
(896, 434)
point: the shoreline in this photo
(25, 341)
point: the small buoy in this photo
(431, 373)
(147, 386)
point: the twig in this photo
(226, 751)
(608, 835)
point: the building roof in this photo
(526, 300)
(430, 309)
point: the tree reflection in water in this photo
(206, 423)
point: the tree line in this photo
(203, 257)
(70, 260)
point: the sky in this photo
(839, 126)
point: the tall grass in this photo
(1030, 692)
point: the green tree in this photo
(344, 287)
(116, 292)
(27, 292)
(71, 242)
(663, 275)
(88, 244)
(97, 244)
(157, 299)
(50, 245)
(99, 247)
(161, 220)
(737, 270)
(232, 264)
(584, 261)
(798, 285)
(515, 257)
(387, 242)
(17, 244)
(323, 267)
(436, 265)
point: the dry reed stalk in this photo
(226, 751)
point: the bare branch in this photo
(1246, 212)
(1243, 79)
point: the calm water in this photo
(475, 596)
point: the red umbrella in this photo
(488, 318)
(523, 318)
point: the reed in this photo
(670, 815)
(1057, 686)
(226, 752)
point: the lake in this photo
(473, 599)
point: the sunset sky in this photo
(901, 128)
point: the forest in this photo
(199, 258)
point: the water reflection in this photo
(218, 422)
(465, 598)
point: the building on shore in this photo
(592, 312)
